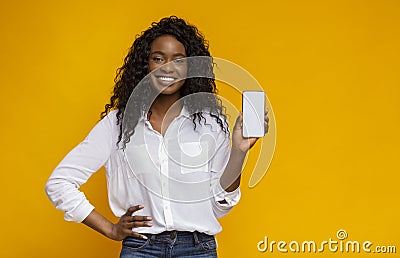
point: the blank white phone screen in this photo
(253, 106)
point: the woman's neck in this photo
(163, 103)
(161, 114)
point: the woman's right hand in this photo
(123, 228)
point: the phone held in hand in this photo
(253, 107)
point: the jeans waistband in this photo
(178, 235)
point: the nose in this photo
(167, 67)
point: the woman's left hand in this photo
(241, 143)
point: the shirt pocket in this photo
(190, 176)
(194, 158)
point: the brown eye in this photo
(179, 60)
(157, 59)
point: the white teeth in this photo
(169, 79)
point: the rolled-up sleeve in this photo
(75, 169)
(218, 164)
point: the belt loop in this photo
(196, 238)
(152, 238)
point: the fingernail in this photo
(149, 224)
(144, 237)
(141, 206)
(148, 218)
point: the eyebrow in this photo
(162, 53)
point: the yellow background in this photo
(330, 70)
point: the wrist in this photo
(237, 152)
(111, 232)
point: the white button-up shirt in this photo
(175, 176)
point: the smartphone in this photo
(253, 107)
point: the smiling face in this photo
(167, 78)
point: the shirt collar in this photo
(184, 112)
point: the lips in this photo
(166, 80)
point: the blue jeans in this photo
(170, 244)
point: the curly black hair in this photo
(136, 67)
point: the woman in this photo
(165, 208)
